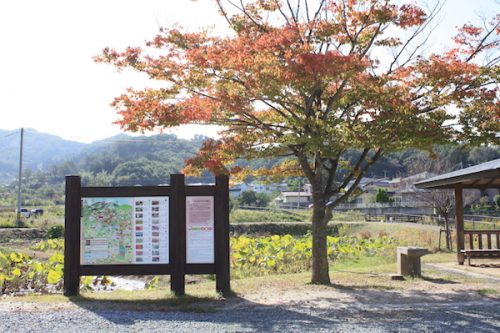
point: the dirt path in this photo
(369, 302)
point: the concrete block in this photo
(409, 260)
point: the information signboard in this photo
(125, 230)
(200, 230)
(171, 230)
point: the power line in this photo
(151, 139)
(10, 134)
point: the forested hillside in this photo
(126, 160)
(41, 151)
(149, 160)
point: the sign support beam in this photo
(221, 211)
(73, 206)
(178, 235)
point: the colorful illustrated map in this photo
(107, 231)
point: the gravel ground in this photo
(244, 316)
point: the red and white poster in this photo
(200, 230)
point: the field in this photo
(36, 266)
(275, 215)
(360, 248)
(363, 279)
(52, 215)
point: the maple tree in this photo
(310, 80)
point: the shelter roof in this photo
(485, 175)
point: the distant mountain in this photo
(137, 157)
(47, 152)
(40, 151)
(148, 160)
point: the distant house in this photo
(235, 191)
(369, 187)
(294, 199)
(268, 188)
(405, 191)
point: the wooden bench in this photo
(481, 244)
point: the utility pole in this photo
(19, 222)
(298, 201)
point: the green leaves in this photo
(54, 276)
(254, 256)
(56, 258)
(19, 272)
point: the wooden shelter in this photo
(480, 243)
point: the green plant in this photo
(91, 283)
(484, 200)
(262, 199)
(248, 198)
(55, 231)
(19, 272)
(243, 215)
(50, 244)
(486, 292)
(152, 283)
(254, 256)
(496, 199)
(382, 196)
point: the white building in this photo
(294, 199)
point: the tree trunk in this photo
(320, 269)
(448, 233)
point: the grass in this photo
(147, 300)
(7, 224)
(440, 257)
(486, 225)
(244, 215)
(275, 215)
(199, 298)
(52, 215)
(407, 234)
(365, 265)
(486, 292)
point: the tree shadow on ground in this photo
(235, 310)
(483, 265)
(346, 308)
(438, 280)
(412, 310)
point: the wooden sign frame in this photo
(177, 267)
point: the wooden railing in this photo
(477, 237)
(481, 244)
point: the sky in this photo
(49, 82)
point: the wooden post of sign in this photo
(177, 234)
(221, 211)
(72, 214)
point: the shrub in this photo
(243, 215)
(496, 199)
(284, 228)
(262, 199)
(55, 231)
(382, 196)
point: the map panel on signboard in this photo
(200, 230)
(125, 230)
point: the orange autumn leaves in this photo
(311, 84)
